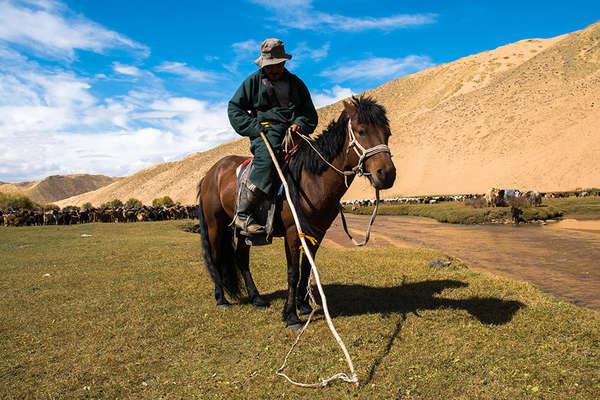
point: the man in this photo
(271, 100)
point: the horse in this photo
(354, 144)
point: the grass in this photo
(129, 313)
(459, 213)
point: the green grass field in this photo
(459, 213)
(129, 313)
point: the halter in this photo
(362, 153)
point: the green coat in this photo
(252, 96)
(252, 104)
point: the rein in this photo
(363, 154)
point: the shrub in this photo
(70, 208)
(133, 203)
(116, 203)
(87, 206)
(165, 201)
(15, 201)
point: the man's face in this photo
(274, 71)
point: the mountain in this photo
(57, 187)
(524, 115)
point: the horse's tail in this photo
(224, 273)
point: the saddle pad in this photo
(243, 166)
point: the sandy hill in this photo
(58, 187)
(524, 115)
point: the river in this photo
(561, 258)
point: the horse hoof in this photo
(223, 306)
(295, 327)
(260, 303)
(305, 310)
(292, 320)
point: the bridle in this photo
(362, 153)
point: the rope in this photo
(324, 382)
(315, 272)
(371, 221)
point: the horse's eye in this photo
(361, 132)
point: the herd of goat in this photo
(492, 198)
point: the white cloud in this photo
(45, 28)
(126, 69)
(303, 52)
(378, 68)
(302, 15)
(330, 96)
(249, 49)
(190, 73)
(349, 24)
(56, 125)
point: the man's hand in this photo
(295, 128)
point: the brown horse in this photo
(357, 142)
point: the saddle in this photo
(263, 214)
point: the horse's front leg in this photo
(303, 301)
(292, 253)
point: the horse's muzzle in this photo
(383, 177)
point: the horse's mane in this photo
(330, 144)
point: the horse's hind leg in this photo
(215, 236)
(243, 261)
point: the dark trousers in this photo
(263, 174)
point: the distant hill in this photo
(58, 187)
(525, 115)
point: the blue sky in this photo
(111, 87)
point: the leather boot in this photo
(248, 201)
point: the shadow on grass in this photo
(348, 300)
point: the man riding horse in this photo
(271, 100)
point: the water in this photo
(562, 259)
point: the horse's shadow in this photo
(348, 300)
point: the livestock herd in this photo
(493, 198)
(408, 200)
(503, 197)
(106, 214)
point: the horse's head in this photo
(369, 132)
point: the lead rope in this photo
(314, 272)
(371, 221)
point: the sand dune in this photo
(57, 187)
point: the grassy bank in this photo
(129, 313)
(459, 213)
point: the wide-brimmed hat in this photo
(271, 52)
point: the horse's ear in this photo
(350, 109)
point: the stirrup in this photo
(248, 226)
